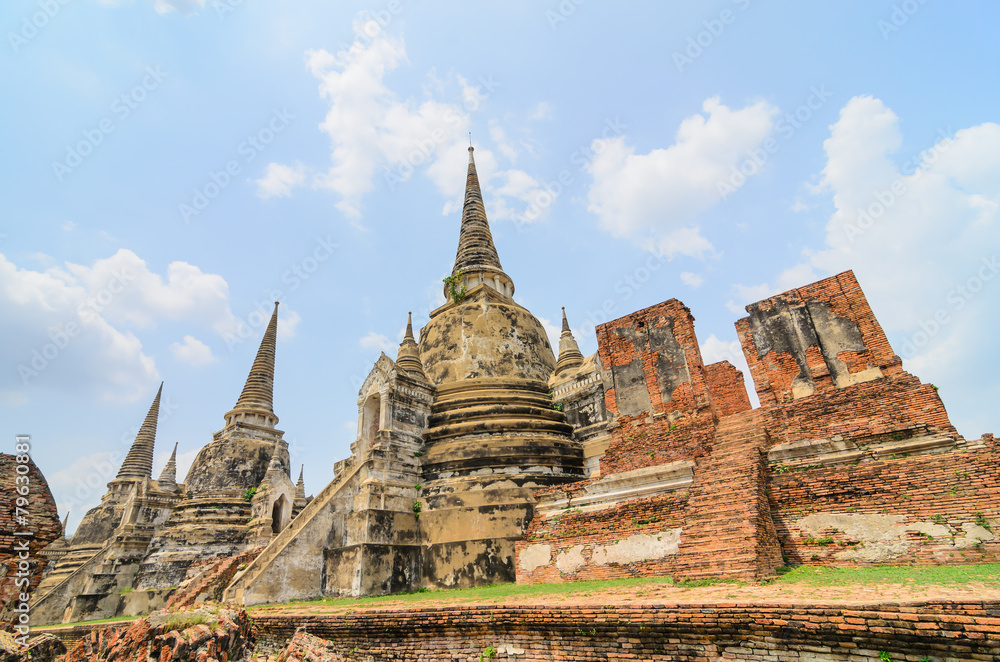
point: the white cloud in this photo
(690, 279)
(279, 180)
(655, 198)
(918, 230)
(185, 7)
(542, 111)
(378, 342)
(79, 487)
(288, 322)
(193, 352)
(374, 133)
(68, 226)
(70, 327)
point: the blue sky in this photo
(172, 166)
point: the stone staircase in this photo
(212, 581)
(730, 533)
(66, 566)
(260, 564)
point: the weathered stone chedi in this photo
(148, 536)
(480, 457)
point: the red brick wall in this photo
(947, 489)
(879, 410)
(690, 398)
(773, 373)
(646, 443)
(672, 429)
(729, 392)
(43, 522)
(678, 632)
(604, 527)
(895, 404)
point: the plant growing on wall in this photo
(248, 495)
(456, 293)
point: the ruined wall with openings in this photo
(823, 369)
(658, 397)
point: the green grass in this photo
(488, 593)
(116, 619)
(915, 575)
(801, 575)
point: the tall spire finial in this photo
(168, 477)
(569, 352)
(139, 461)
(258, 392)
(408, 357)
(274, 467)
(477, 257)
(300, 487)
(65, 524)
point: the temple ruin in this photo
(482, 457)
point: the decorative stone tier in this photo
(212, 524)
(498, 429)
(488, 443)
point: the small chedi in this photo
(482, 457)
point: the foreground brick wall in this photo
(677, 632)
(937, 508)
(43, 522)
(729, 392)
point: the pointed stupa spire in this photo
(409, 355)
(477, 258)
(274, 469)
(168, 477)
(569, 351)
(139, 461)
(65, 525)
(258, 392)
(300, 487)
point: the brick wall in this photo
(794, 344)
(678, 632)
(654, 354)
(729, 392)
(925, 508)
(43, 522)
(593, 530)
(879, 410)
(792, 329)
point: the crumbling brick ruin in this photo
(481, 457)
(22, 563)
(848, 460)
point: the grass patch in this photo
(494, 592)
(116, 619)
(933, 575)
(184, 621)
